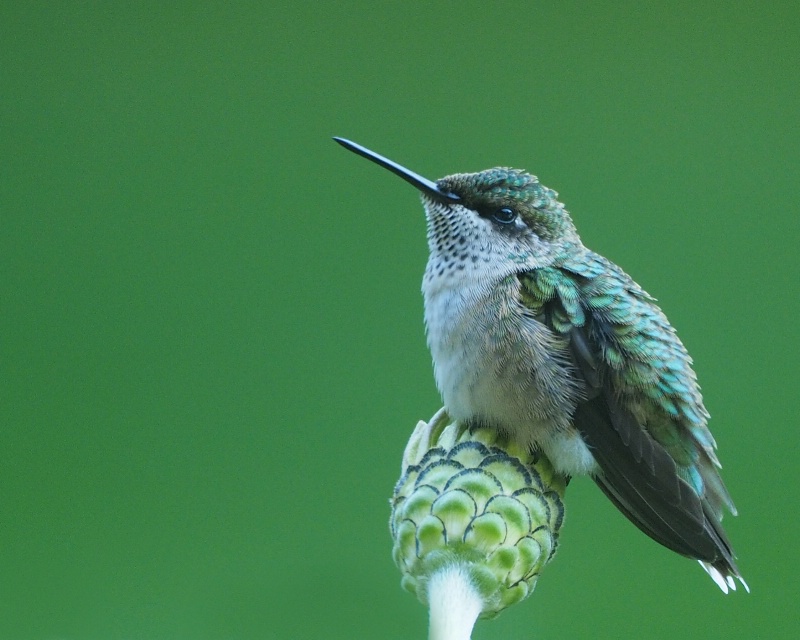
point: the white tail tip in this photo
(726, 583)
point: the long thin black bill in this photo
(423, 184)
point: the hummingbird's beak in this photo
(423, 184)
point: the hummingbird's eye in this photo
(504, 215)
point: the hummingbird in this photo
(556, 347)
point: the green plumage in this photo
(638, 352)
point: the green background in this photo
(211, 333)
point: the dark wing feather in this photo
(646, 490)
(641, 413)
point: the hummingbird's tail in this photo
(722, 570)
(723, 577)
(647, 489)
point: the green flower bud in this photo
(469, 499)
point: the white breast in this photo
(495, 364)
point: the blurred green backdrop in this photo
(211, 334)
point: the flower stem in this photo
(454, 603)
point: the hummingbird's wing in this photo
(641, 413)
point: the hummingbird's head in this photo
(503, 217)
(507, 212)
